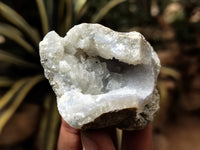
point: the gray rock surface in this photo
(101, 77)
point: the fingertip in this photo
(69, 138)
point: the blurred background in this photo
(28, 114)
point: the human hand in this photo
(103, 139)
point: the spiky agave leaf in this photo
(82, 12)
(49, 124)
(43, 16)
(13, 17)
(69, 12)
(170, 72)
(78, 6)
(65, 16)
(5, 82)
(15, 35)
(12, 59)
(105, 9)
(61, 17)
(119, 138)
(14, 97)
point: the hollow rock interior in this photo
(96, 75)
(94, 70)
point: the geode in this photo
(102, 78)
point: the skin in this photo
(104, 139)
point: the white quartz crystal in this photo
(95, 70)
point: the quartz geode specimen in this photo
(102, 78)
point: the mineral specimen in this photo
(102, 78)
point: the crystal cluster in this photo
(101, 77)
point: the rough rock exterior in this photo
(101, 77)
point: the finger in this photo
(137, 140)
(69, 138)
(98, 139)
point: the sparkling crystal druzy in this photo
(102, 78)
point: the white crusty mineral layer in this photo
(95, 70)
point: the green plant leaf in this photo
(15, 35)
(119, 138)
(69, 12)
(163, 91)
(79, 5)
(171, 72)
(164, 104)
(5, 82)
(12, 59)
(49, 125)
(103, 11)
(13, 17)
(43, 16)
(65, 15)
(50, 7)
(61, 9)
(82, 11)
(61, 18)
(14, 97)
